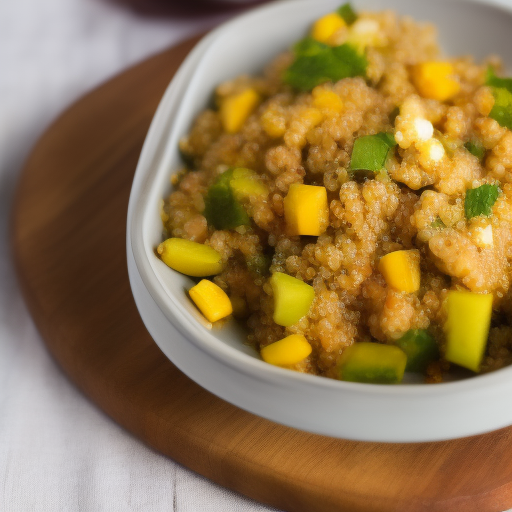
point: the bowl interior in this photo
(245, 46)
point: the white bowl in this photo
(218, 359)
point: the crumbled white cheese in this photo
(424, 129)
(436, 150)
(483, 236)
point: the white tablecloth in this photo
(58, 452)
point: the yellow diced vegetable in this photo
(211, 300)
(292, 298)
(325, 99)
(190, 258)
(401, 270)
(290, 350)
(235, 109)
(306, 210)
(435, 80)
(467, 327)
(246, 183)
(326, 27)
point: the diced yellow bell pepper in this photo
(326, 26)
(292, 298)
(324, 98)
(235, 109)
(435, 80)
(305, 209)
(290, 350)
(190, 258)
(246, 183)
(401, 270)
(467, 327)
(211, 300)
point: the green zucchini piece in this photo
(372, 363)
(420, 348)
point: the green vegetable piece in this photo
(480, 200)
(259, 264)
(502, 108)
(438, 224)
(495, 81)
(316, 63)
(347, 13)
(373, 363)
(371, 151)
(222, 209)
(476, 148)
(292, 298)
(467, 327)
(420, 349)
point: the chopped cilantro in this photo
(316, 63)
(502, 109)
(495, 81)
(475, 148)
(347, 13)
(502, 92)
(480, 200)
(371, 151)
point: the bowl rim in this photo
(195, 332)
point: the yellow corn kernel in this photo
(435, 80)
(305, 209)
(325, 99)
(235, 109)
(211, 300)
(401, 270)
(290, 350)
(273, 123)
(190, 258)
(467, 327)
(326, 27)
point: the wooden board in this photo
(68, 237)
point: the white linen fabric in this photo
(58, 451)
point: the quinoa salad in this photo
(352, 205)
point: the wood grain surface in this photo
(68, 238)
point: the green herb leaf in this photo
(502, 109)
(371, 151)
(222, 210)
(476, 148)
(480, 200)
(347, 13)
(495, 81)
(316, 63)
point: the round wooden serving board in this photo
(68, 236)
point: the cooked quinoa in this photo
(416, 202)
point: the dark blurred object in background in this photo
(186, 8)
